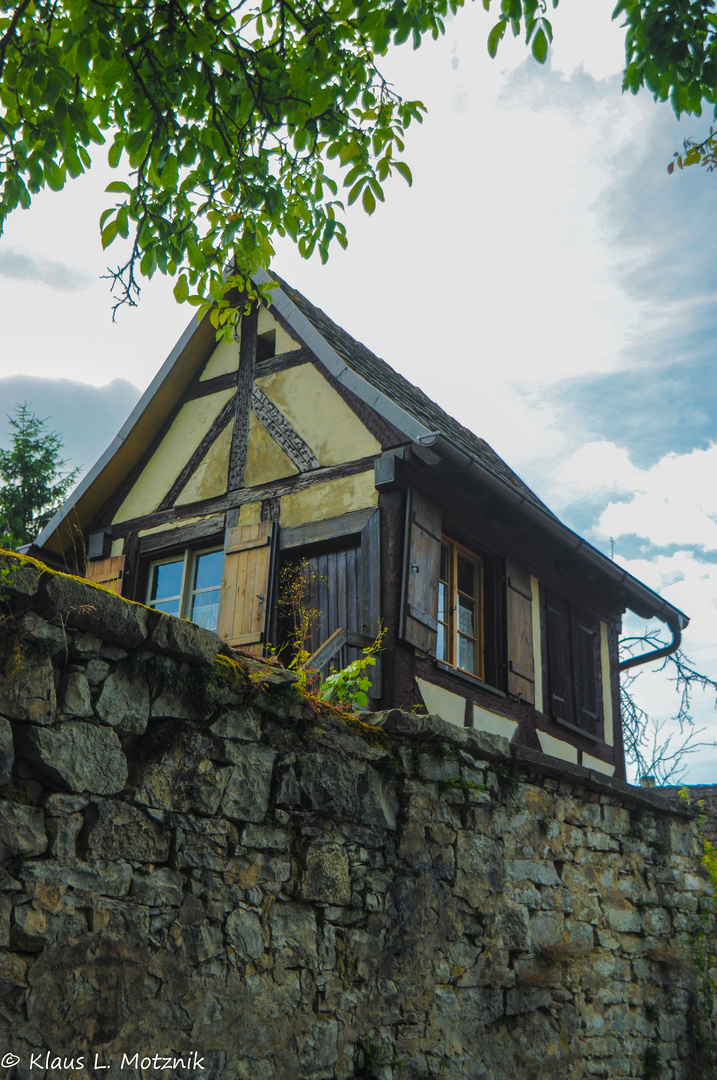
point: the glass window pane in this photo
(169, 607)
(467, 654)
(466, 572)
(466, 616)
(166, 581)
(208, 570)
(205, 609)
(442, 602)
(441, 643)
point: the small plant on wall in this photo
(350, 686)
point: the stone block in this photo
(77, 756)
(540, 873)
(75, 698)
(124, 703)
(185, 640)
(479, 867)
(97, 671)
(62, 832)
(21, 580)
(28, 694)
(245, 934)
(624, 920)
(246, 795)
(239, 723)
(7, 751)
(294, 935)
(48, 639)
(22, 830)
(118, 830)
(326, 876)
(84, 606)
(86, 876)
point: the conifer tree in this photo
(32, 482)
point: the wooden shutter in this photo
(107, 572)
(245, 595)
(519, 617)
(586, 654)
(560, 667)
(421, 566)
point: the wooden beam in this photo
(218, 425)
(233, 499)
(282, 361)
(313, 532)
(198, 389)
(274, 421)
(245, 383)
(183, 535)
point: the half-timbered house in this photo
(295, 446)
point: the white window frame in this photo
(188, 558)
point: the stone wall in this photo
(203, 876)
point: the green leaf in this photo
(368, 200)
(540, 46)
(120, 186)
(109, 233)
(495, 37)
(402, 168)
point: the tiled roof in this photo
(409, 397)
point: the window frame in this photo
(189, 557)
(452, 632)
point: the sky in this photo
(544, 280)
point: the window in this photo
(187, 585)
(460, 609)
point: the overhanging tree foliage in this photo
(235, 120)
(32, 482)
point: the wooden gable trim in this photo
(245, 383)
(233, 499)
(274, 421)
(219, 423)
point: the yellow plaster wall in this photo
(598, 765)
(557, 748)
(284, 341)
(189, 428)
(210, 476)
(329, 499)
(225, 358)
(250, 514)
(117, 547)
(493, 723)
(438, 700)
(319, 415)
(265, 460)
(608, 726)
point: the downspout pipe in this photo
(654, 654)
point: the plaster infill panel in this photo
(598, 765)
(224, 359)
(266, 323)
(442, 702)
(184, 436)
(485, 720)
(249, 513)
(265, 460)
(329, 498)
(210, 476)
(557, 748)
(319, 415)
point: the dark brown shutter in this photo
(421, 566)
(245, 596)
(106, 572)
(586, 654)
(561, 703)
(519, 615)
